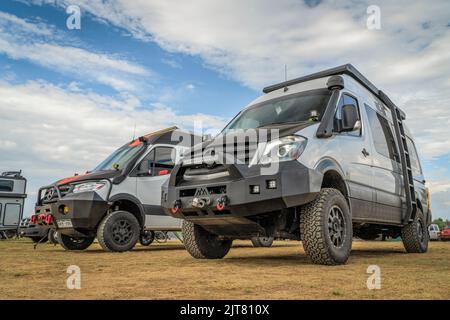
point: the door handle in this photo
(365, 153)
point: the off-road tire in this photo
(262, 242)
(314, 228)
(202, 244)
(415, 235)
(146, 238)
(118, 232)
(74, 244)
(52, 236)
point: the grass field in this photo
(167, 271)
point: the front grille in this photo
(63, 190)
(239, 152)
(51, 195)
(211, 190)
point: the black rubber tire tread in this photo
(259, 242)
(314, 231)
(410, 237)
(146, 239)
(51, 236)
(202, 244)
(67, 243)
(104, 237)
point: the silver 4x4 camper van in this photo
(12, 198)
(119, 201)
(345, 165)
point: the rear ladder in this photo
(408, 181)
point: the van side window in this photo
(348, 100)
(6, 185)
(145, 168)
(164, 160)
(160, 161)
(383, 138)
(415, 163)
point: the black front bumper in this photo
(85, 211)
(296, 185)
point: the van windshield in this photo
(304, 106)
(119, 158)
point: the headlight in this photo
(284, 149)
(88, 186)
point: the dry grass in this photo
(167, 271)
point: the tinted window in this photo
(347, 100)
(145, 168)
(415, 163)
(305, 106)
(159, 161)
(6, 185)
(121, 157)
(383, 138)
(164, 160)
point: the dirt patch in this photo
(167, 271)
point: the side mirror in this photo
(349, 121)
(357, 126)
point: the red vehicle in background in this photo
(445, 234)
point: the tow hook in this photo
(48, 219)
(221, 203)
(176, 206)
(201, 202)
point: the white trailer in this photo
(12, 199)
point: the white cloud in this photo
(51, 132)
(7, 145)
(441, 185)
(21, 39)
(172, 63)
(251, 41)
(77, 129)
(24, 25)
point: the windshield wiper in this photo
(281, 123)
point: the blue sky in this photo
(68, 97)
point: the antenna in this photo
(134, 131)
(285, 72)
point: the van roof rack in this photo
(12, 174)
(347, 69)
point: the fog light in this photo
(271, 184)
(63, 209)
(254, 189)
